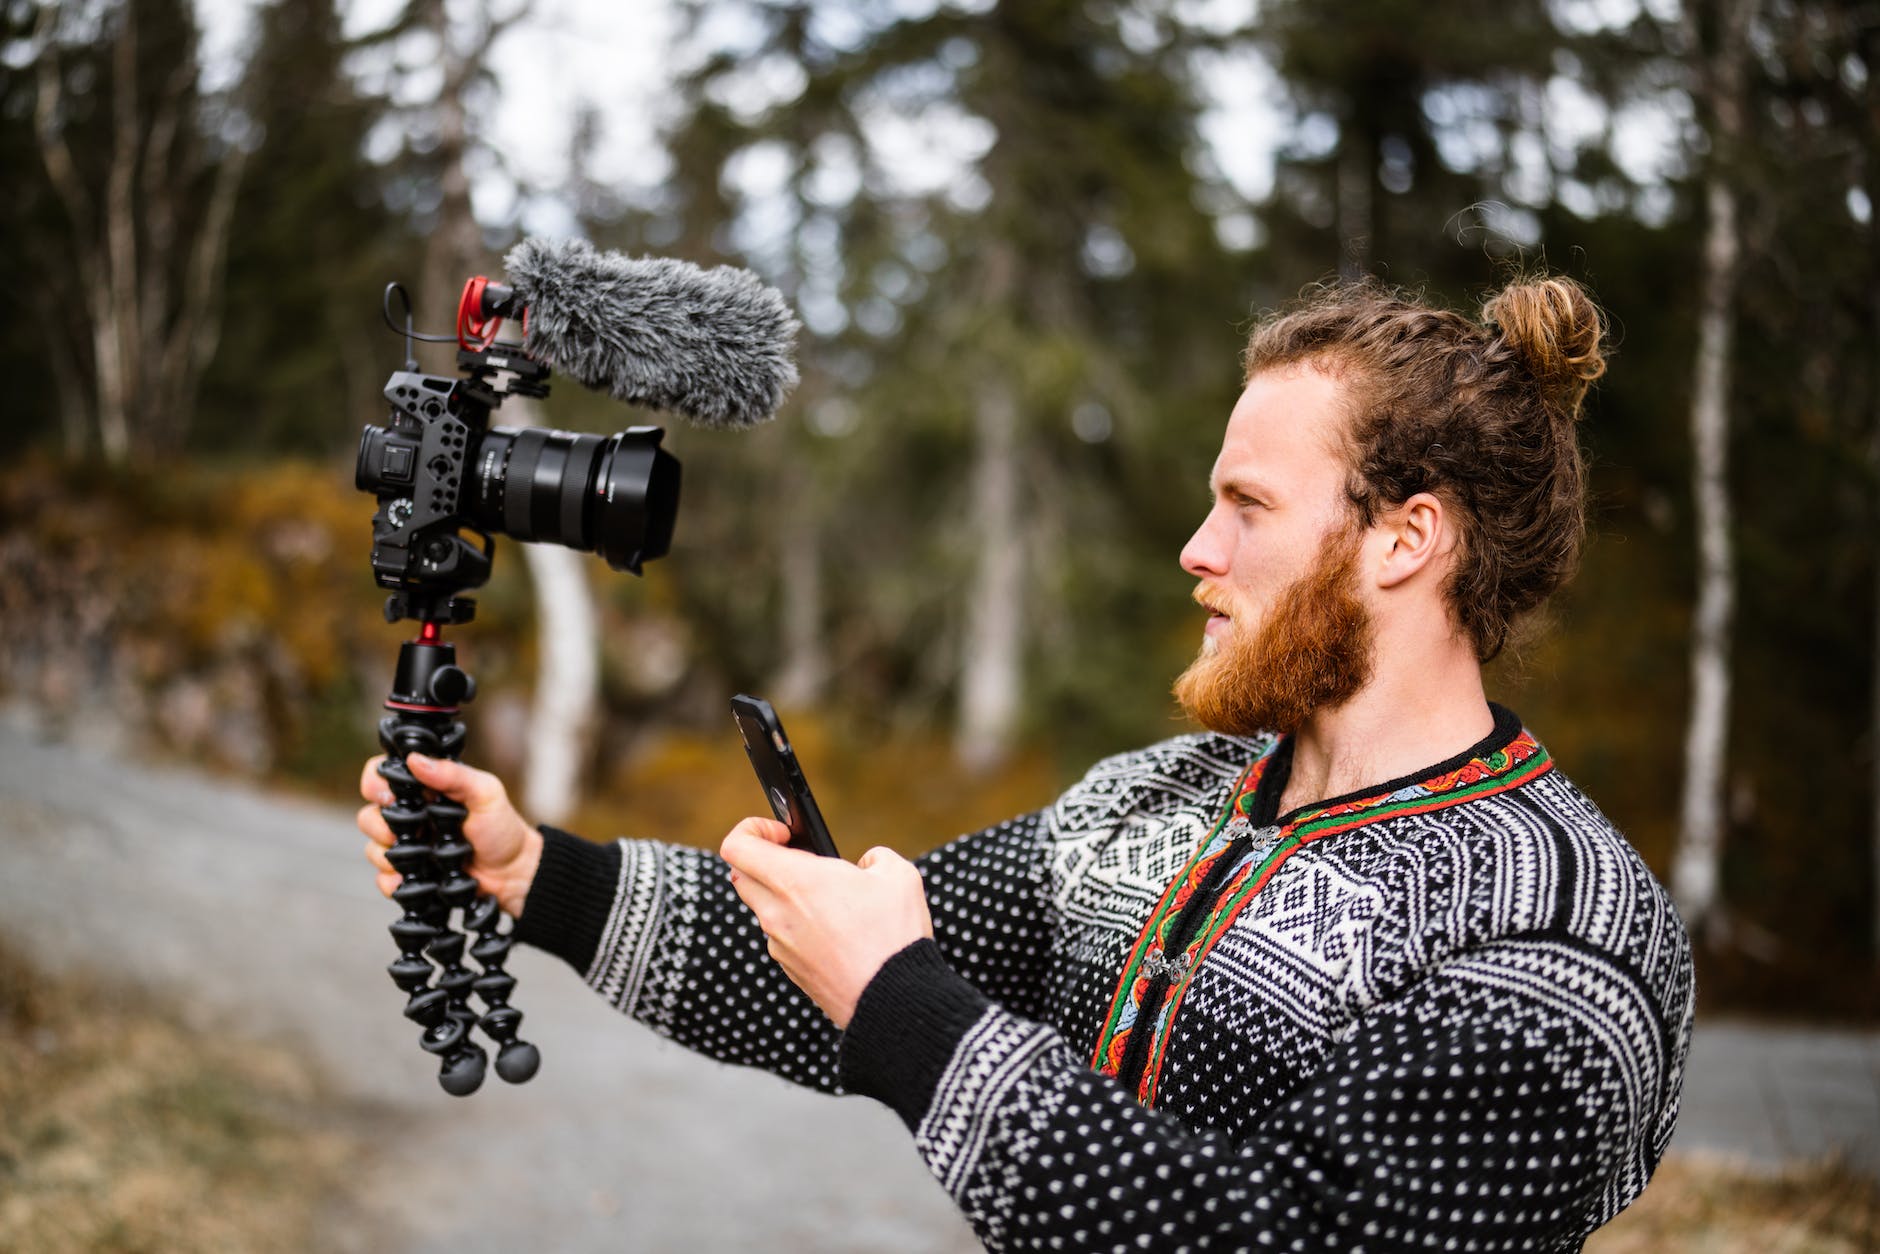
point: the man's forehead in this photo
(1288, 422)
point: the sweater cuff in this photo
(906, 1028)
(570, 898)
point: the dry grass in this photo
(121, 1130)
(1712, 1206)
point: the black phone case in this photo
(768, 747)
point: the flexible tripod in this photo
(430, 854)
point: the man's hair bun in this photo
(1554, 328)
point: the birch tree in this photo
(148, 220)
(1715, 35)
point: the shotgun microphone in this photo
(716, 346)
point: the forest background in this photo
(1026, 248)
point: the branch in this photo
(48, 102)
(198, 328)
(158, 208)
(120, 212)
(461, 68)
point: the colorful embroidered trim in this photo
(1520, 761)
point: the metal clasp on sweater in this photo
(1159, 964)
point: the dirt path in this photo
(256, 914)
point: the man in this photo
(1358, 968)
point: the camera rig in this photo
(438, 469)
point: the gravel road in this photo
(257, 916)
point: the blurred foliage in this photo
(121, 1129)
(908, 793)
(1087, 263)
(223, 612)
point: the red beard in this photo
(1314, 653)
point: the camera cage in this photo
(419, 552)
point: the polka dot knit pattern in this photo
(1461, 1027)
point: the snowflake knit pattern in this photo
(1447, 1012)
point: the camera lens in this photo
(615, 495)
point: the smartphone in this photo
(768, 747)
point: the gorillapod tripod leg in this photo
(516, 1060)
(430, 854)
(425, 927)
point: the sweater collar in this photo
(1507, 756)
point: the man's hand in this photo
(508, 850)
(831, 925)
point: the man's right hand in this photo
(508, 850)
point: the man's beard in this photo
(1313, 653)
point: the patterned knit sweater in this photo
(1448, 1012)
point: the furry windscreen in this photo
(714, 345)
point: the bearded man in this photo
(1357, 968)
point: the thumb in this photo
(454, 779)
(764, 829)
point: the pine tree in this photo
(312, 244)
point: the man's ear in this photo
(1414, 536)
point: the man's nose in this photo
(1204, 554)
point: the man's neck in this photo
(1398, 724)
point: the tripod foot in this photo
(518, 1061)
(462, 1073)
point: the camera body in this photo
(439, 468)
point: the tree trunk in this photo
(991, 680)
(1719, 69)
(1696, 871)
(1873, 723)
(1870, 55)
(119, 335)
(566, 707)
(803, 677)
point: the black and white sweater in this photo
(1450, 1011)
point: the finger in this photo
(372, 823)
(764, 829)
(376, 856)
(882, 858)
(371, 787)
(388, 882)
(455, 780)
(761, 901)
(756, 858)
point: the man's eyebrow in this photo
(1240, 485)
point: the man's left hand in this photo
(831, 925)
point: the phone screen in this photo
(780, 775)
